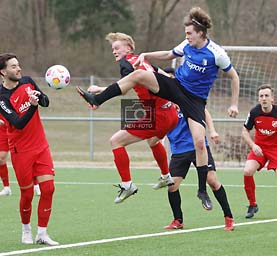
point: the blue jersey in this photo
(200, 67)
(180, 137)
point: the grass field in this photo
(86, 221)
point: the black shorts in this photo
(180, 163)
(191, 105)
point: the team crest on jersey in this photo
(205, 62)
(28, 90)
(274, 124)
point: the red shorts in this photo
(28, 165)
(166, 120)
(269, 156)
(4, 145)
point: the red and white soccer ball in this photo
(57, 77)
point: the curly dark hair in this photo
(199, 19)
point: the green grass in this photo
(84, 211)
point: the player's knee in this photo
(200, 145)
(27, 194)
(137, 75)
(47, 188)
(173, 188)
(3, 159)
(214, 184)
(114, 142)
(247, 172)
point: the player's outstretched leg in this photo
(88, 97)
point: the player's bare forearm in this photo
(254, 147)
(158, 55)
(247, 138)
(235, 87)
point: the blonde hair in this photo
(112, 37)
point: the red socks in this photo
(47, 189)
(25, 204)
(249, 187)
(122, 163)
(160, 155)
(4, 175)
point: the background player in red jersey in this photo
(4, 174)
(30, 154)
(4, 149)
(165, 117)
(263, 117)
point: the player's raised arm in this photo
(158, 55)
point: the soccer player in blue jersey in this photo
(183, 154)
(189, 90)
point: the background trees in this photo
(46, 32)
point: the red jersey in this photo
(24, 128)
(265, 126)
(126, 67)
(4, 146)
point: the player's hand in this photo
(139, 61)
(233, 111)
(33, 99)
(257, 150)
(1, 122)
(215, 137)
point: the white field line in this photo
(145, 184)
(124, 238)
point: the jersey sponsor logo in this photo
(258, 122)
(195, 67)
(266, 132)
(4, 107)
(24, 106)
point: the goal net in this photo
(255, 66)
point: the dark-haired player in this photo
(190, 89)
(29, 149)
(263, 117)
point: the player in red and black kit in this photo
(263, 118)
(30, 154)
(165, 119)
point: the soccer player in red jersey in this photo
(165, 119)
(29, 149)
(263, 117)
(4, 149)
(4, 174)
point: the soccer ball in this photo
(57, 77)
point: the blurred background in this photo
(47, 32)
